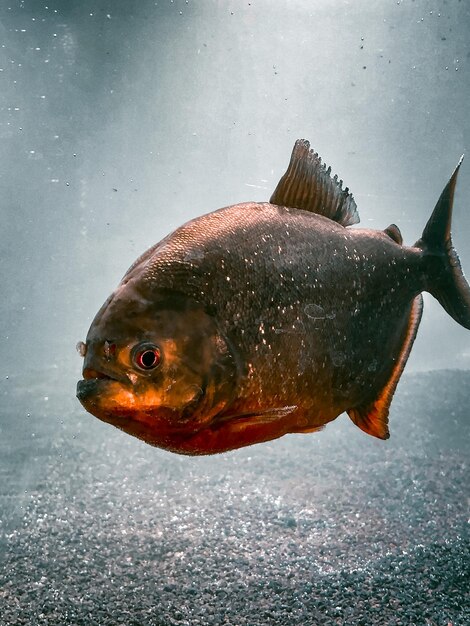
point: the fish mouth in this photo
(92, 381)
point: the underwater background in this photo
(121, 120)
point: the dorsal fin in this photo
(307, 185)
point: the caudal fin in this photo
(445, 278)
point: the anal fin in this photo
(372, 417)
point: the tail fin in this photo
(446, 281)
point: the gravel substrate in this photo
(328, 528)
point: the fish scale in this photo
(261, 319)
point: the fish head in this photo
(155, 365)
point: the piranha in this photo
(261, 319)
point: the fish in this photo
(262, 319)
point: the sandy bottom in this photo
(327, 528)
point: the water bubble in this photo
(314, 311)
(338, 359)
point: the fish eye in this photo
(147, 356)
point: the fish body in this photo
(261, 319)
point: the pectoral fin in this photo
(261, 417)
(372, 417)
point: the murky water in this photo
(118, 122)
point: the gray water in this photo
(119, 121)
